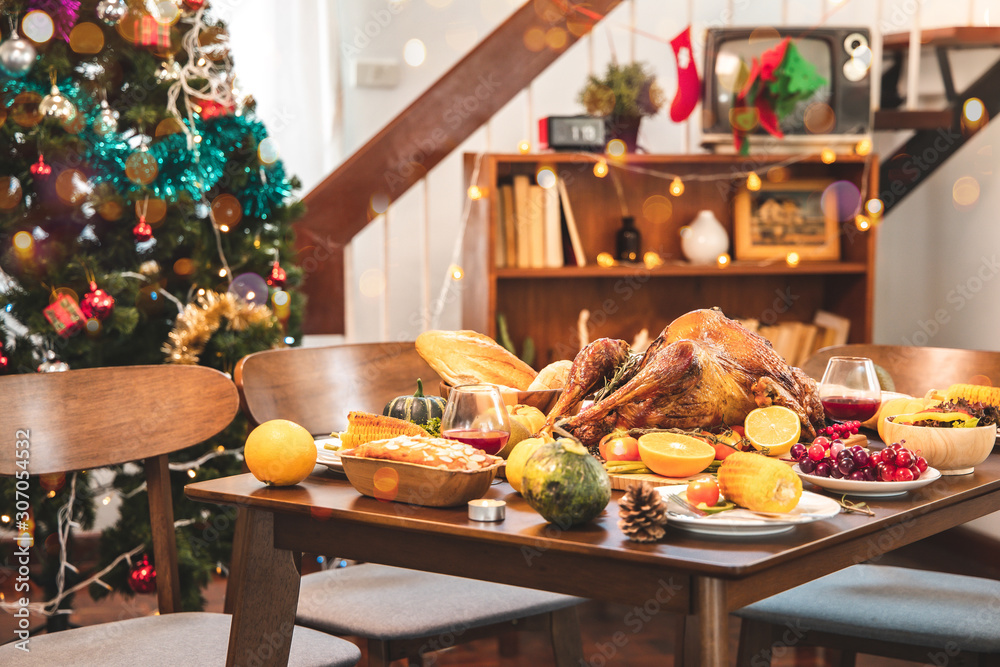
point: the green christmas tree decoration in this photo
(138, 190)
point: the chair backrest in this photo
(317, 386)
(104, 416)
(915, 370)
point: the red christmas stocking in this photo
(688, 83)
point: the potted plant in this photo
(622, 96)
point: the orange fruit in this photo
(280, 453)
(775, 427)
(675, 455)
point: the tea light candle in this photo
(487, 509)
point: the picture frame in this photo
(786, 217)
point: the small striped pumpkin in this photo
(417, 408)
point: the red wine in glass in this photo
(490, 442)
(846, 408)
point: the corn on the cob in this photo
(365, 427)
(974, 393)
(759, 483)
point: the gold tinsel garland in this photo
(201, 319)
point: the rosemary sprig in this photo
(856, 507)
(622, 374)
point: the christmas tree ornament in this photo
(97, 303)
(106, 120)
(111, 11)
(251, 288)
(688, 83)
(643, 513)
(142, 576)
(200, 320)
(64, 315)
(278, 276)
(194, 5)
(142, 167)
(56, 104)
(150, 268)
(52, 364)
(40, 168)
(17, 55)
(153, 33)
(62, 13)
(3, 360)
(170, 70)
(142, 231)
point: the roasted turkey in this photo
(703, 370)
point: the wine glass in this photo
(850, 389)
(475, 414)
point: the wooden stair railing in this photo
(420, 137)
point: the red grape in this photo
(903, 475)
(921, 464)
(807, 465)
(798, 451)
(904, 458)
(823, 469)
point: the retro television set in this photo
(837, 115)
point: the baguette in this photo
(553, 376)
(468, 357)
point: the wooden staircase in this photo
(420, 137)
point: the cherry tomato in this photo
(620, 448)
(903, 475)
(740, 431)
(703, 491)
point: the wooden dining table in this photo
(702, 577)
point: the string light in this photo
(677, 186)
(863, 147)
(973, 109)
(874, 206)
(475, 192)
(753, 181)
(105, 500)
(605, 260)
(191, 473)
(601, 168)
(792, 259)
(616, 148)
(546, 177)
(456, 272)
(862, 222)
(652, 260)
(222, 273)
(722, 260)
(827, 156)
(524, 147)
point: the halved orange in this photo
(675, 455)
(775, 428)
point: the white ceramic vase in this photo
(704, 239)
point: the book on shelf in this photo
(794, 341)
(509, 224)
(500, 237)
(836, 328)
(536, 226)
(522, 205)
(572, 232)
(553, 229)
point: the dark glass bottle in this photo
(628, 241)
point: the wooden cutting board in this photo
(621, 482)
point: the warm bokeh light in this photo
(141, 167)
(72, 186)
(753, 181)
(191, 473)
(973, 110)
(524, 146)
(657, 209)
(819, 118)
(475, 192)
(862, 222)
(455, 272)
(267, 151)
(722, 260)
(792, 259)
(226, 210)
(546, 177)
(37, 26)
(616, 148)
(223, 228)
(556, 38)
(164, 12)
(414, 53)
(223, 273)
(965, 192)
(605, 259)
(778, 174)
(534, 39)
(874, 206)
(827, 156)
(601, 168)
(23, 242)
(863, 147)
(86, 38)
(379, 203)
(677, 187)
(184, 267)
(652, 260)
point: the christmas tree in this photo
(144, 219)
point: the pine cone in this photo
(643, 513)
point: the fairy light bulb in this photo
(456, 272)
(753, 181)
(191, 473)
(601, 168)
(605, 260)
(827, 156)
(652, 260)
(475, 192)
(677, 186)
(863, 147)
(874, 206)
(524, 146)
(792, 259)
(862, 222)
(722, 260)
(616, 148)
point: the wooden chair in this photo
(898, 612)
(402, 613)
(146, 412)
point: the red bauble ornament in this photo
(142, 577)
(278, 275)
(3, 359)
(194, 5)
(142, 231)
(212, 109)
(97, 303)
(40, 168)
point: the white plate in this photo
(869, 489)
(811, 507)
(328, 457)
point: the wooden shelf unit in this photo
(545, 303)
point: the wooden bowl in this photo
(953, 451)
(542, 399)
(416, 484)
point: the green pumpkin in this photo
(418, 408)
